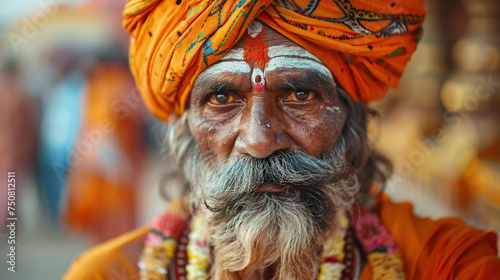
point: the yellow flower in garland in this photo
(197, 251)
(333, 251)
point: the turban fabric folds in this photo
(365, 43)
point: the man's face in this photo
(266, 94)
(271, 164)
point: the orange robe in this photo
(442, 249)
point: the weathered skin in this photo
(298, 108)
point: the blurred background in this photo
(87, 153)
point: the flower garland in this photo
(383, 253)
(198, 251)
(161, 243)
(332, 263)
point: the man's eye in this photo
(221, 98)
(300, 96)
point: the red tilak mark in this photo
(256, 51)
(258, 87)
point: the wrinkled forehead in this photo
(262, 50)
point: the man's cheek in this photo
(213, 144)
(206, 149)
(334, 118)
(327, 134)
(223, 146)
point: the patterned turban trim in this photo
(366, 43)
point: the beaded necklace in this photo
(193, 252)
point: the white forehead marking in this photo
(279, 57)
(260, 84)
(333, 109)
(295, 57)
(237, 67)
(236, 54)
(294, 62)
(275, 51)
(254, 28)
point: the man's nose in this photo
(261, 131)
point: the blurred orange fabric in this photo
(442, 249)
(365, 44)
(107, 158)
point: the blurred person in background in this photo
(271, 136)
(18, 127)
(60, 124)
(108, 155)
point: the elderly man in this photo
(272, 140)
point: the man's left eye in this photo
(300, 96)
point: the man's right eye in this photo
(221, 98)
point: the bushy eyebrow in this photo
(207, 85)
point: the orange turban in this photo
(365, 43)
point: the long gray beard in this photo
(269, 231)
(284, 231)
